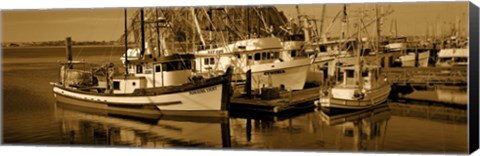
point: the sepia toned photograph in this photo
(353, 77)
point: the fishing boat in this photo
(259, 54)
(361, 85)
(151, 85)
(261, 57)
(454, 52)
(452, 57)
(358, 89)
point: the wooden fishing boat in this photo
(152, 85)
(357, 89)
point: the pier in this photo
(289, 100)
(427, 76)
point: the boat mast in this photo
(378, 24)
(157, 26)
(142, 31)
(344, 25)
(322, 22)
(126, 42)
(359, 65)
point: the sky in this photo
(107, 24)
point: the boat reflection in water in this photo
(452, 94)
(360, 130)
(91, 127)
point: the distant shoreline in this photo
(74, 46)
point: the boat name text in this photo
(204, 90)
(274, 72)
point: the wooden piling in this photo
(68, 46)
(248, 84)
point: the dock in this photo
(427, 75)
(288, 101)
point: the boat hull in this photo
(206, 101)
(376, 97)
(409, 60)
(291, 74)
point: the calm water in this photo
(31, 116)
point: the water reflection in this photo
(452, 94)
(90, 127)
(364, 129)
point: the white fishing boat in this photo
(150, 86)
(408, 60)
(452, 57)
(296, 50)
(358, 89)
(262, 57)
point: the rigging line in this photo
(234, 26)
(221, 35)
(260, 15)
(171, 29)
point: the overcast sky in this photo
(107, 24)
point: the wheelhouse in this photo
(164, 71)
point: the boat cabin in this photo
(293, 50)
(240, 54)
(370, 75)
(173, 70)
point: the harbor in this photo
(266, 77)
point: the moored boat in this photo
(357, 89)
(151, 86)
(408, 60)
(452, 57)
(262, 57)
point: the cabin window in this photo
(209, 61)
(133, 84)
(257, 57)
(212, 61)
(444, 59)
(177, 65)
(350, 73)
(116, 85)
(365, 73)
(158, 68)
(206, 61)
(264, 56)
(323, 48)
(293, 53)
(139, 69)
(273, 55)
(237, 55)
